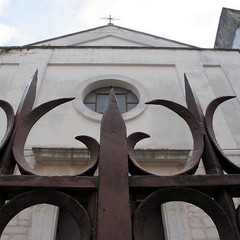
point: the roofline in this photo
(167, 39)
(128, 29)
(29, 47)
(67, 35)
(151, 35)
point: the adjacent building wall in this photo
(228, 29)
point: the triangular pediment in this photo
(111, 35)
(110, 40)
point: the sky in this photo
(187, 21)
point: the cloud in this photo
(185, 21)
(3, 4)
(7, 33)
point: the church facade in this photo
(140, 68)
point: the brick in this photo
(195, 223)
(212, 233)
(5, 237)
(208, 222)
(25, 223)
(198, 234)
(18, 237)
(10, 230)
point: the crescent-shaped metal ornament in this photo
(56, 198)
(226, 164)
(7, 108)
(207, 204)
(133, 166)
(93, 148)
(24, 129)
(196, 131)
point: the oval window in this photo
(97, 99)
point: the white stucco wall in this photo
(157, 73)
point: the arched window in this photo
(96, 99)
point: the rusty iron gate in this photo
(116, 203)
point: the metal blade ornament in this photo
(24, 129)
(114, 214)
(195, 128)
(93, 148)
(7, 160)
(216, 161)
(197, 134)
(159, 197)
(193, 102)
(133, 166)
(209, 153)
(19, 126)
(226, 164)
(56, 198)
(212, 162)
(28, 98)
(7, 108)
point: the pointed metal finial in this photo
(110, 19)
(113, 176)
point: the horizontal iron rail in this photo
(79, 182)
(8, 182)
(208, 184)
(212, 180)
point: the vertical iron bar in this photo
(222, 197)
(209, 157)
(114, 215)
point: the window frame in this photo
(120, 92)
(110, 80)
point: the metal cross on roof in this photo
(110, 18)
